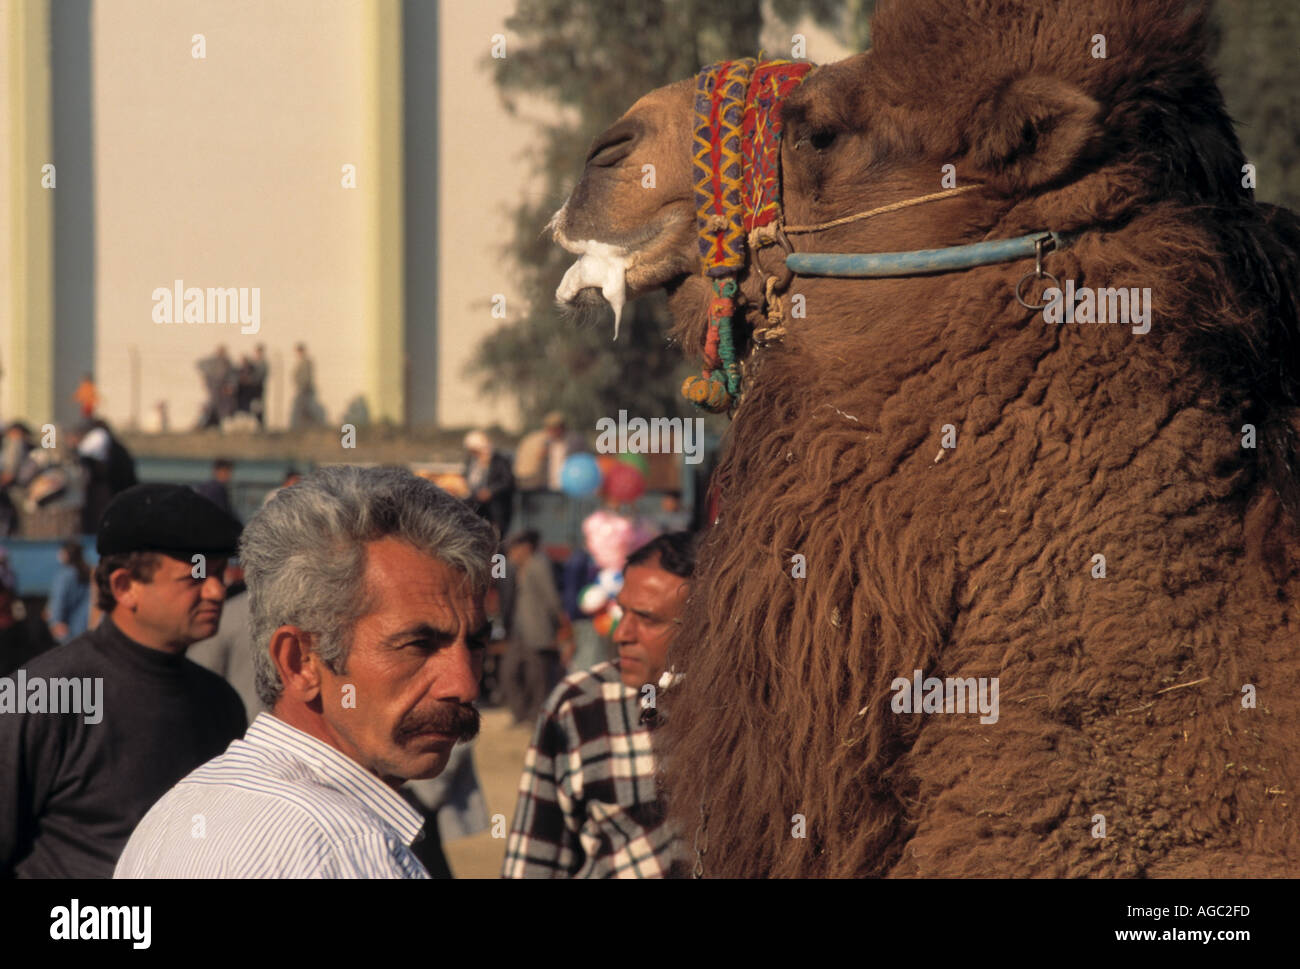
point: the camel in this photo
(925, 478)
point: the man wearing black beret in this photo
(94, 731)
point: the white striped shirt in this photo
(277, 804)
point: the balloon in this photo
(606, 463)
(580, 475)
(611, 581)
(592, 599)
(638, 461)
(610, 537)
(625, 484)
(603, 624)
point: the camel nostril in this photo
(615, 144)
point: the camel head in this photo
(1075, 132)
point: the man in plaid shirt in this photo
(589, 805)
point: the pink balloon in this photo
(611, 537)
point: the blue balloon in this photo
(580, 476)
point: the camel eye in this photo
(614, 145)
(822, 140)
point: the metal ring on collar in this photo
(1034, 274)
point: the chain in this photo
(701, 833)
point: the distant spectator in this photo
(541, 454)
(490, 481)
(109, 469)
(306, 411)
(257, 385)
(250, 386)
(14, 451)
(52, 489)
(291, 478)
(244, 386)
(590, 647)
(156, 419)
(86, 396)
(7, 576)
(217, 488)
(229, 653)
(579, 572)
(536, 627)
(23, 636)
(68, 611)
(671, 517)
(14, 454)
(218, 377)
(45, 497)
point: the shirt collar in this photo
(339, 771)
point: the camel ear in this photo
(1033, 132)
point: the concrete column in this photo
(381, 179)
(26, 209)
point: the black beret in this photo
(166, 518)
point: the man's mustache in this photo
(460, 720)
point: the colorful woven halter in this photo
(737, 161)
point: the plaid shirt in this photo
(588, 804)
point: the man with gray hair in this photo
(366, 588)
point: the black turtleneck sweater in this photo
(71, 792)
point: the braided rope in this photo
(891, 207)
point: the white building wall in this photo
(226, 171)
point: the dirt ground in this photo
(499, 759)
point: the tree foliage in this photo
(1258, 61)
(594, 59)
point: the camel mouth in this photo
(617, 272)
(600, 266)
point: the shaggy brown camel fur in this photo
(1125, 700)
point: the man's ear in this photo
(123, 586)
(1032, 132)
(291, 653)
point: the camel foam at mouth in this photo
(602, 265)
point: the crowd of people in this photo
(549, 627)
(59, 481)
(235, 392)
(231, 389)
(233, 657)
